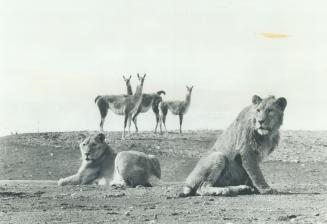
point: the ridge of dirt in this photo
(297, 168)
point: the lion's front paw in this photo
(225, 192)
(243, 190)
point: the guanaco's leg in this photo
(180, 123)
(129, 124)
(162, 115)
(155, 109)
(103, 108)
(160, 124)
(157, 122)
(101, 123)
(135, 120)
(125, 123)
(164, 121)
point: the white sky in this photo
(56, 56)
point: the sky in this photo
(57, 56)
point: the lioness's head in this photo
(268, 113)
(93, 147)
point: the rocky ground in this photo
(298, 169)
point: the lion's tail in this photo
(96, 99)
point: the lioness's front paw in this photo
(268, 191)
(61, 182)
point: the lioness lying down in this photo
(232, 165)
(101, 165)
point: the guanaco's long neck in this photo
(129, 88)
(138, 92)
(188, 98)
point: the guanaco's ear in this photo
(281, 103)
(130, 77)
(256, 99)
(144, 75)
(124, 78)
(100, 137)
(138, 75)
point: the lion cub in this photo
(232, 165)
(101, 165)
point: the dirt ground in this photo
(298, 169)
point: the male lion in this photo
(101, 165)
(232, 165)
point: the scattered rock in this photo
(292, 216)
(115, 195)
(39, 193)
(286, 218)
(13, 194)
